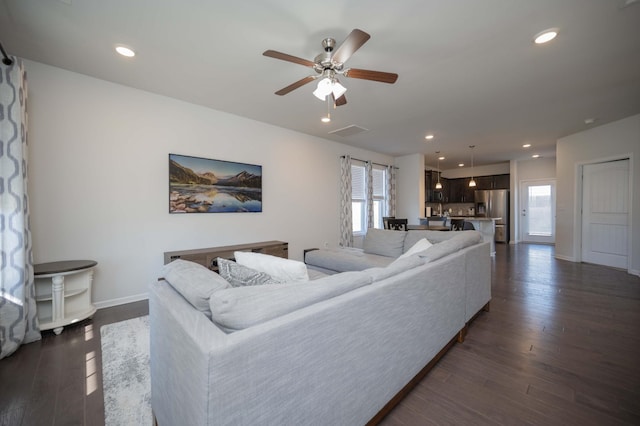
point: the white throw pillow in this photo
(284, 270)
(421, 245)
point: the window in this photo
(359, 197)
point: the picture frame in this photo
(203, 185)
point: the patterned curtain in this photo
(368, 176)
(346, 215)
(18, 319)
(391, 191)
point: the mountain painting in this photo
(201, 185)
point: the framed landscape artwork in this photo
(201, 185)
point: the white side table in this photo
(63, 293)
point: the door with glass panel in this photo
(538, 211)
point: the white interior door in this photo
(538, 211)
(605, 213)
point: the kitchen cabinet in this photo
(493, 182)
(433, 195)
(502, 181)
(459, 191)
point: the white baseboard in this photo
(567, 258)
(121, 300)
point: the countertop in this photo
(479, 218)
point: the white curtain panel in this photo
(368, 173)
(346, 215)
(391, 191)
(18, 319)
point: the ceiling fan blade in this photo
(342, 100)
(295, 85)
(353, 42)
(383, 77)
(289, 58)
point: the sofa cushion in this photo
(396, 267)
(434, 237)
(384, 242)
(419, 246)
(239, 275)
(282, 269)
(194, 282)
(239, 308)
(345, 259)
(459, 241)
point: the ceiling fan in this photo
(329, 64)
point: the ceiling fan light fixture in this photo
(323, 89)
(338, 89)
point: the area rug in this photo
(125, 372)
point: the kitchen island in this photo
(486, 226)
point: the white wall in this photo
(487, 170)
(607, 142)
(410, 195)
(98, 179)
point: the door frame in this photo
(521, 203)
(577, 212)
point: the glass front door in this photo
(537, 212)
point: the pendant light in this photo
(438, 184)
(472, 182)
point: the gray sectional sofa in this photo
(338, 350)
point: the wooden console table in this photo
(65, 298)
(209, 256)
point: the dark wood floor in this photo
(58, 380)
(561, 346)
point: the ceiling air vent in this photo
(349, 131)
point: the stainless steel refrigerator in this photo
(495, 203)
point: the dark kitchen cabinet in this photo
(493, 182)
(459, 191)
(502, 181)
(434, 195)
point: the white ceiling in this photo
(469, 71)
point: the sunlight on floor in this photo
(90, 373)
(88, 332)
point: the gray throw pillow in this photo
(239, 276)
(384, 242)
(194, 282)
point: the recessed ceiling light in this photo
(326, 119)
(526, 145)
(125, 51)
(429, 137)
(440, 158)
(535, 156)
(545, 36)
(588, 121)
(461, 165)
